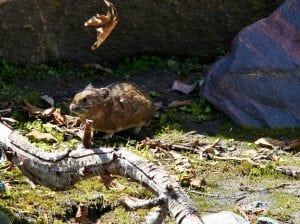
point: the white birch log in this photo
(61, 170)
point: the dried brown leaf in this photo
(98, 20)
(72, 121)
(33, 109)
(58, 118)
(270, 142)
(48, 112)
(111, 182)
(197, 181)
(40, 136)
(182, 162)
(98, 67)
(182, 87)
(54, 115)
(82, 215)
(195, 144)
(39, 112)
(131, 203)
(151, 143)
(106, 22)
(177, 103)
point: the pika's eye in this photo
(84, 100)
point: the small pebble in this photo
(257, 205)
(97, 196)
(266, 220)
(2, 157)
(2, 187)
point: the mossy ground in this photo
(229, 185)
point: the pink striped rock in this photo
(258, 82)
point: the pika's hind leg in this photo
(147, 124)
(139, 127)
(137, 130)
(108, 135)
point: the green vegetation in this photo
(145, 63)
(62, 142)
(197, 112)
(225, 178)
(8, 72)
(284, 206)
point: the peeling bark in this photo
(61, 170)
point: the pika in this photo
(115, 108)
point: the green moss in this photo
(43, 204)
(171, 134)
(8, 72)
(257, 173)
(201, 202)
(121, 216)
(283, 206)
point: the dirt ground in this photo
(62, 89)
(229, 185)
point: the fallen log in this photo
(61, 170)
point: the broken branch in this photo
(61, 170)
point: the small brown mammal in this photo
(115, 108)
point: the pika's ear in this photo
(89, 86)
(104, 93)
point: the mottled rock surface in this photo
(224, 217)
(258, 83)
(39, 31)
(4, 219)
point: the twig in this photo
(133, 204)
(289, 170)
(279, 186)
(98, 67)
(215, 142)
(243, 213)
(206, 194)
(237, 159)
(219, 195)
(182, 147)
(5, 112)
(33, 186)
(240, 198)
(88, 134)
(8, 121)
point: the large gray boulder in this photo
(258, 83)
(38, 31)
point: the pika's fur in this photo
(114, 108)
